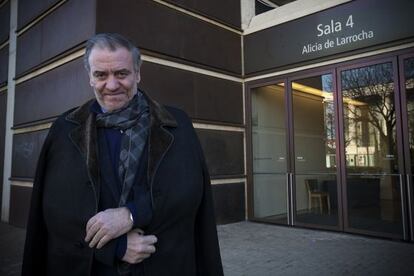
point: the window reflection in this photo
(372, 188)
(409, 89)
(314, 124)
(269, 153)
(369, 119)
(315, 150)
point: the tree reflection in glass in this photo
(409, 89)
(373, 183)
(369, 119)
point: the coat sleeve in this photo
(107, 254)
(34, 257)
(207, 246)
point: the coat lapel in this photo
(84, 136)
(160, 139)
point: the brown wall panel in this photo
(3, 102)
(223, 151)
(161, 29)
(4, 22)
(52, 93)
(19, 205)
(227, 12)
(26, 151)
(202, 97)
(229, 202)
(4, 64)
(29, 10)
(68, 26)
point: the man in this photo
(121, 186)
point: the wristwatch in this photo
(131, 218)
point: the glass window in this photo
(269, 153)
(315, 150)
(372, 180)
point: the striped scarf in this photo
(133, 121)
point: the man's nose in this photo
(112, 83)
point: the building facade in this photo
(304, 111)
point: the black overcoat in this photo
(67, 189)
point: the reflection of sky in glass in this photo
(370, 132)
(409, 68)
(409, 85)
(327, 83)
(329, 118)
(365, 76)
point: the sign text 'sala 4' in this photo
(351, 27)
(332, 32)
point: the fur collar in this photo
(159, 114)
(84, 137)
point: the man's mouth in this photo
(114, 94)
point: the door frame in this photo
(249, 149)
(408, 174)
(407, 187)
(298, 76)
(397, 104)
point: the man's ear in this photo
(138, 76)
(91, 81)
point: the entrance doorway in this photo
(372, 144)
(333, 148)
(314, 150)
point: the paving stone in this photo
(255, 249)
(262, 249)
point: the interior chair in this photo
(315, 194)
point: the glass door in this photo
(371, 150)
(269, 153)
(407, 110)
(314, 151)
(334, 148)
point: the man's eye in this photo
(99, 75)
(121, 74)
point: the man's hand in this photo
(139, 247)
(107, 225)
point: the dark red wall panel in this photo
(227, 12)
(224, 152)
(52, 93)
(68, 26)
(163, 30)
(202, 97)
(26, 151)
(229, 202)
(3, 101)
(19, 205)
(4, 22)
(4, 64)
(29, 10)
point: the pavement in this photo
(254, 249)
(262, 249)
(11, 249)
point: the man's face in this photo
(112, 77)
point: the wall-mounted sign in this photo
(354, 25)
(334, 38)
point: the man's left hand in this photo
(107, 225)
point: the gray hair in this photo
(111, 41)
